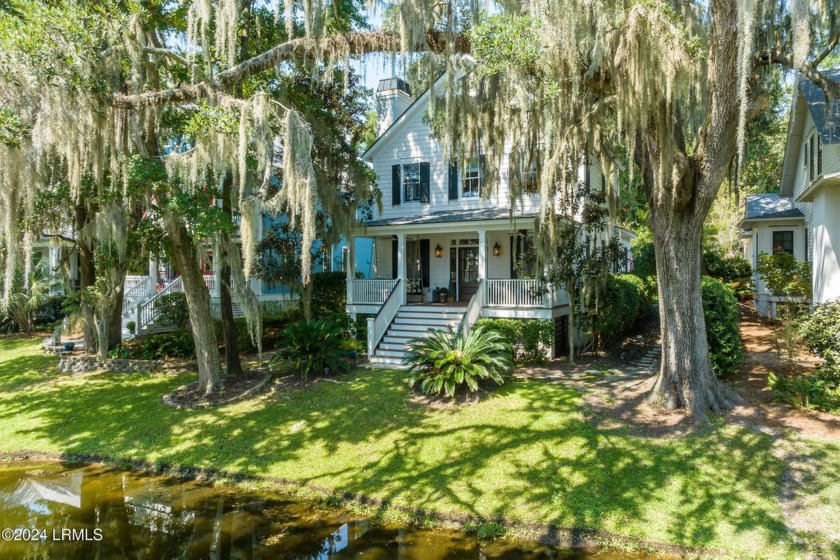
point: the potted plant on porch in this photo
(444, 295)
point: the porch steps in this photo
(413, 321)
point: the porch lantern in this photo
(438, 251)
(497, 250)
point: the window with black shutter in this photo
(453, 181)
(412, 182)
(425, 179)
(819, 156)
(811, 161)
(783, 242)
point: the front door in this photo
(467, 272)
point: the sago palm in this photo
(445, 361)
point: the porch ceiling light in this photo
(438, 251)
(497, 249)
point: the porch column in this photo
(217, 272)
(482, 254)
(401, 258)
(350, 266)
(153, 269)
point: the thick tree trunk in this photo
(232, 362)
(87, 273)
(686, 378)
(115, 318)
(210, 376)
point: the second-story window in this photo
(411, 182)
(472, 179)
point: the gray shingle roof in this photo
(827, 122)
(447, 216)
(766, 206)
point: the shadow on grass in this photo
(524, 454)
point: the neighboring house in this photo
(435, 231)
(804, 218)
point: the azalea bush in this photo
(446, 361)
(312, 348)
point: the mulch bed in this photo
(236, 388)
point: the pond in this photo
(57, 510)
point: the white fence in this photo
(515, 293)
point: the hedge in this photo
(527, 338)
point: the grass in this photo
(524, 455)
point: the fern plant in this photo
(311, 347)
(447, 360)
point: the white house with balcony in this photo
(804, 218)
(435, 231)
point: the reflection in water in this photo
(81, 512)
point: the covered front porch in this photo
(465, 265)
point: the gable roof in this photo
(770, 206)
(826, 118)
(400, 121)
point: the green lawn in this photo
(524, 454)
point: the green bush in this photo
(312, 347)
(172, 310)
(178, 344)
(735, 271)
(329, 293)
(527, 340)
(821, 332)
(618, 308)
(720, 311)
(243, 337)
(644, 258)
(536, 337)
(784, 275)
(446, 361)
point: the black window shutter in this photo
(819, 156)
(394, 258)
(453, 181)
(396, 185)
(425, 260)
(513, 257)
(482, 169)
(424, 181)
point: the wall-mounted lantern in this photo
(497, 250)
(438, 251)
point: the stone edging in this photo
(84, 364)
(542, 533)
(258, 388)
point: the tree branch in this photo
(296, 49)
(809, 69)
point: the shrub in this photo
(178, 344)
(821, 332)
(820, 390)
(784, 275)
(536, 337)
(735, 271)
(618, 308)
(329, 293)
(527, 340)
(172, 310)
(644, 258)
(312, 347)
(720, 311)
(243, 337)
(446, 361)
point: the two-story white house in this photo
(435, 231)
(804, 218)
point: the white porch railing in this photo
(372, 291)
(145, 312)
(377, 326)
(515, 293)
(210, 282)
(473, 311)
(137, 290)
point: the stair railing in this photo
(138, 291)
(377, 326)
(145, 312)
(473, 311)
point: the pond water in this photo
(66, 511)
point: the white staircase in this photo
(414, 321)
